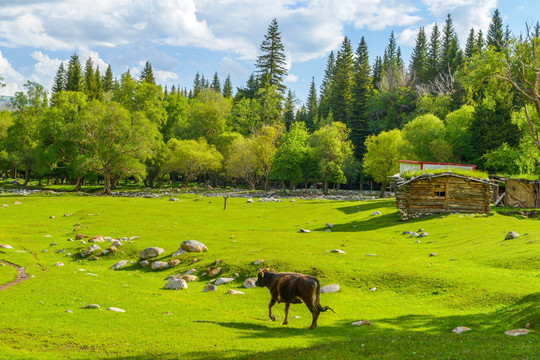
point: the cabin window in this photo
(439, 191)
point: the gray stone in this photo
(338, 251)
(59, 264)
(91, 306)
(375, 213)
(224, 281)
(209, 287)
(511, 235)
(249, 200)
(190, 271)
(331, 288)
(115, 309)
(234, 292)
(413, 234)
(119, 264)
(176, 283)
(144, 263)
(90, 250)
(193, 246)
(150, 252)
(6, 246)
(116, 243)
(178, 252)
(159, 265)
(303, 230)
(433, 254)
(329, 225)
(424, 234)
(405, 232)
(249, 283)
(173, 199)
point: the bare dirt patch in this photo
(21, 275)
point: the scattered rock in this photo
(214, 272)
(116, 309)
(234, 292)
(69, 311)
(209, 287)
(6, 246)
(327, 230)
(104, 252)
(413, 234)
(224, 281)
(173, 199)
(250, 200)
(461, 329)
(424, 234)
(178, 252)
(159, 265)
(117, 243)
(112, 248)
(193, 261)
(373, 289)
(133, 238)
(517, 332)
(362, 322)
(331, 288)
(91, 306)
(417, 242)
(150, 252)
(119, 264)
(90, 250)
(67, 214)
(189, 278)
(258, 262)
(44, 250)
(405, 233)
(433, 254)
(80, 236)
(193, 246)
(511, 235)
(98, 238)
(59, 264)
(52, 217)
(190, 271)
(339, 251)
(329, 225)
(144, 263)
(371, 254)
(303, 230)
(420, 230)
(17, 203)
(174, 263)
(375, 213)
(53, 244)
(176, 283)
(249, 283)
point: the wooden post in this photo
(225, 197)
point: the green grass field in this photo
(477, 279)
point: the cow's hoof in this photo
(312, 327)
(285, 322)
(272, 318)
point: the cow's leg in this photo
(287, 306)
(272, 302)
(315, 314)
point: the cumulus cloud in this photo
(12, 78)
(291, 78)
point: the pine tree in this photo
(216, 84)
(311, 106)
(59, 83)
(99, 84)
(434, 56)
(470, 45)
(147, 74)
(108, 80)
(495, 33)
(536, 31)
(342, 88)
(271, 63)
(227, 91)
(326, 86)
(198, 85)
(358, 121)
(392, 65)
(288, 109)
(250, 90)
(419, 58)
(74, 74)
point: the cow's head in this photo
(263, 278)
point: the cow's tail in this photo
(318, 304)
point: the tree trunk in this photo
(26, 177)
(383, 190)
(325, 187)
(78, 185)
(106, 182)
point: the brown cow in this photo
(292, 288)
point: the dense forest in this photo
(475, 104)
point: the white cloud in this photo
(291, 78)
(12, 78)
(164, 77)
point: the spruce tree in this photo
(197, 85)
(311, 106)
(90, 85)
(418, 65)
(450, 52)
(495, 35)
(74, 74)
(342, 88)
(470, 45)
(216, 84)
(108, 80)
(271, 63)
(326, 86)
(59, 83)
(480, 42)
(536, 30)
(377, 72)
(99, 84)
(250, 90)
(358, 121)
(288, 109)
(434, 54)
(147, 74)
(227, 91)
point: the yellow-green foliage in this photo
(474, 174)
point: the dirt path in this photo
(21, 275)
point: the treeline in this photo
(448, 105)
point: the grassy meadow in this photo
(476, 279)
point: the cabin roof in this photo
(429, 176)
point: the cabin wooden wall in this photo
(443, 195)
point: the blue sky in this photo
(182, 37)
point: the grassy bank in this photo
(476, 279)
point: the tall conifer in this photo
(361, 92)
(271, 63)
(74, 74)
(495, 35)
